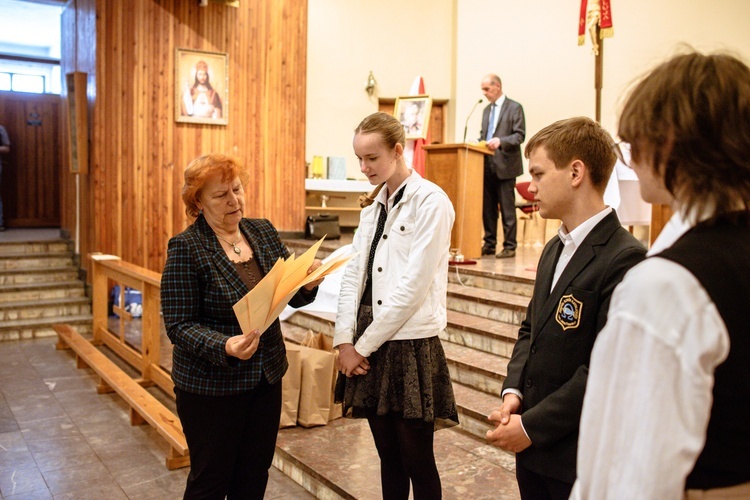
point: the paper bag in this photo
(290, 387)
(319, 367)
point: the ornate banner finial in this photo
(595, 13)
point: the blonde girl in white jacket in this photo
(391, 310)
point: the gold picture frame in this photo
(414, 114)
(201, 87)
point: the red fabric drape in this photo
(419, 154)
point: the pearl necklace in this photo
(236, 249)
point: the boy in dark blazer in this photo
(570, 163)
(504, 129)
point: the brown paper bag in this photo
(290, 387)
(319, 367)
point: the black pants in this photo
(232, 440)
(502, 193)
(535, 486)
(406, 454)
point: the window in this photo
(23, 83)
(30, 47)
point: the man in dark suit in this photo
(504, 129)
(570, 163)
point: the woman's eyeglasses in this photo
(620, 157)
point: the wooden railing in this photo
(144, 330)
(147, 361)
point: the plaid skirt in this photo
(407, 377)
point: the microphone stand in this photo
(466, 125)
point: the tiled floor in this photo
(60, 439)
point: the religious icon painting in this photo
(201, 87)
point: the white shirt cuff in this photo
(512, 391)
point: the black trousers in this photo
(405, 448)
(535, 486)
(499, 192)
(232, 440)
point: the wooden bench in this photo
(143, 406)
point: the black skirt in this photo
(406, 377)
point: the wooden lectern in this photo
(459, 170)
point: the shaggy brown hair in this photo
(690, 118)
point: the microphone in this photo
(466, 126)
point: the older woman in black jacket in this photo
(228, 384)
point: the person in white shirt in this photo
(391, 310)
(570, 163)
(666, 413)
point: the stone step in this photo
(480, 373)
(477, 369)
(491, 280)
(474, 406)
(340, 461)
(42, 327)
(40, 291)
(300, 246)
(31, 247)
(315, 321)
(47, 308)
(480, 333)
(293, 333)
(51, 274)
(498, 306)
(32, 261)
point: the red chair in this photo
(529, 209)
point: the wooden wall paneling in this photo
(31, 190)
(67, 61)
(660, 215)
(138, 152)
(286, 53)
(87, 62)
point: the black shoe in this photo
(487, 251)
(2, 228)
(505, 253)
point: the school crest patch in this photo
(569, 312)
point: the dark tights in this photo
(406, 454)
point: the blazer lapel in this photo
(501, 112)
(259, 244)
(545, 273)
(218, 256)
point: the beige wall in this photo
(531, 45)
(396, 39)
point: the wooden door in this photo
(31, 172)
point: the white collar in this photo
(675, 228)
(577, 235)
(499, 102)
(381, 197)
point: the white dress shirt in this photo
(649, 392)
(572, 240)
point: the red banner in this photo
(605, 20)
(418, 159)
